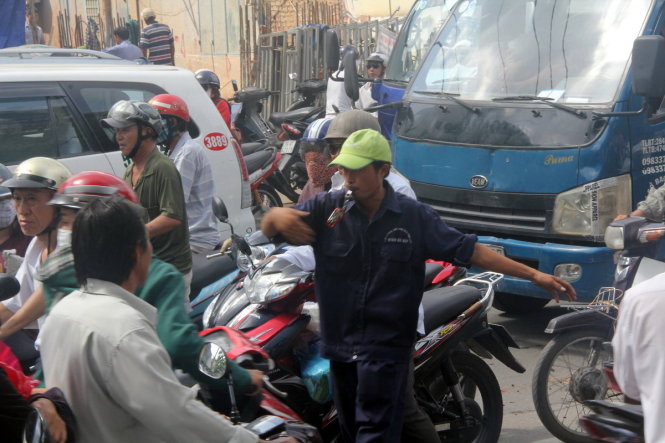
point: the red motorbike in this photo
(273, 305)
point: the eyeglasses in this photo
(334, 145)
(374, 65)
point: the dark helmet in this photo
(131, 112)
(5, 174)
(206, 77)
(378, 57)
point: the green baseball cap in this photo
(362, 148)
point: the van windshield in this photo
(571, 51)
(416, 36)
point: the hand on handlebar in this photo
(256, 378)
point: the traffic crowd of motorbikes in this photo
(250, 340)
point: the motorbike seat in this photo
(277, 118)
(441, 305)
(252, 147)
(259, 160)
(633, 413)
(431, 271)
(251, 93)
(207, 271)
(311, 87)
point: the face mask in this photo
(7, 213)
(64, 237)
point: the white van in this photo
(51, 101)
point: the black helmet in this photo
(207, 77)
(130, 112)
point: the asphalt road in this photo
(520, 421)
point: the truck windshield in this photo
(572, 51)
(415, 38)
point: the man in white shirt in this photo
(195, 172)
(99, 344)
(376, 67)
(336, 99)
(639, 352)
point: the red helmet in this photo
(80, 189)
(168, 104)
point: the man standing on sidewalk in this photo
(156, 40)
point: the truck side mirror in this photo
(331, 48)
(351, 76)
(235, 85)
(648, 66)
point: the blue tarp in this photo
(12, 23)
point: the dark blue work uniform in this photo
(369, 283)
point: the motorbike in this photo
(293, 123)
(272, 305)
(614, 422)
(569, 372)
(260, 146)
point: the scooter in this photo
(270, 305)
(569, 372)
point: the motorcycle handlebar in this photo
(273, 390)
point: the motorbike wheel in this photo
(269, 197)
(517, 304)
(568, 372)
(483, 399)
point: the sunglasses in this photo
(373, 65)
(334, 146)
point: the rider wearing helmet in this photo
(155, 180)
(336, 99)
(316, 159)
(193, 165)
(34, 182)
(376, 67)
(211, 84)
(11, 236)
(163, 288)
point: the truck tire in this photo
(517, 304)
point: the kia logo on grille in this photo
(479, 181)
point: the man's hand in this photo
(556, 286)
(635, 213)
(56, 425)
(256, 380)
(289, 223)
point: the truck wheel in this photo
(568, 373)
(517, 304)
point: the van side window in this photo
(40, 126)
(96, 100)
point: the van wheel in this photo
(517, 304)
(269, 197)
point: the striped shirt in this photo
(157, 39)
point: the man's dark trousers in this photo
(369, 396)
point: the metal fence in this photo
(286, 58)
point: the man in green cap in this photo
(370, 245)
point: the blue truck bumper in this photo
(597, 265)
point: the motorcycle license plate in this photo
(288, 146)
(498, 249)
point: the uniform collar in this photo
(102, 287)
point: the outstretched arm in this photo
(289, 223)
(485, 258)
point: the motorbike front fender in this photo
(497, 341)
(582, 319)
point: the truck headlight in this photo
(588, 209)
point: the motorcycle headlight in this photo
(587, 210)
(265, 288)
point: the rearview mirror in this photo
(235, 85)
(212, 361)
(331, 48)
(351, 76)
(219, 209)
(648, 65)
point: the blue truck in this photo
(519, 121)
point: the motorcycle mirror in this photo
(9, 286)
(331, 49)
(213, 361)
(235, 85)
(219, 209)
(351, 76)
